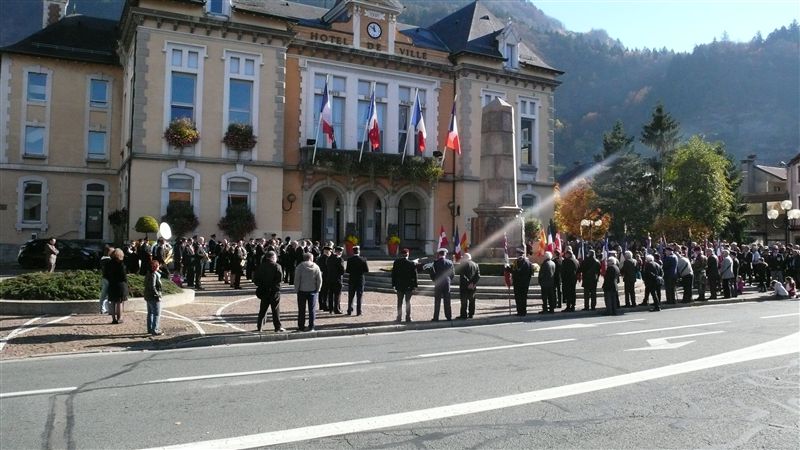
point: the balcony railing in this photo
(345, 162)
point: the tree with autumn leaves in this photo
(578, 204)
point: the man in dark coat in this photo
(670, 267)
(590, 274)
(334, 279)
(212, 253)
(267, 279)
(557, 259)
(404, 281)
(322, 262)
(628, 272)
(441, 273)
(356, 268)
(569, 278)
(712, 273)
(653, 277)
(200, 258)
(610, 280)
(521, 273)
(469, 273)
(547, 274)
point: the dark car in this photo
(72, 254)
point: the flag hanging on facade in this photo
(452, 134)
(326, 116)
(373, 131)
(443, 243)
(418, 122)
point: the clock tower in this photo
(373, 22)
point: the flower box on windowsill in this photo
(181, 133)
(240, 137)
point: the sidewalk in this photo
(221, 315)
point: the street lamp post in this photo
(791, 214)
(591, 224)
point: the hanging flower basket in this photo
(239, 137)
(181, 133)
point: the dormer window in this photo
(218, 7)
(512, 55)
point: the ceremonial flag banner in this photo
(506, 273)
(452, 134)
(464, 246)
(373, 132)
(550, 245)
(456, 246)
(418, 122)
(604, 263)
(443, 243)
(557, 246)
(326, 117)
(542, 243)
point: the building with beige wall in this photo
(266, 63)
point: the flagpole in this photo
(408, 129)
(366, 124)
(319, 122)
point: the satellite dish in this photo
(165, 231)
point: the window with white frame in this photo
(32, 203)
(511, 55)
(242, 79)
(97, 145)
(364, 97)
(98, 93)
(406, 97)
(337, 91)
(34, 140)
(37, 87)
(218, 7)
(180, 188)
(238, 191)
(488, 96)
(528, 143)
(185, 65)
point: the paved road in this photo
(712, 376)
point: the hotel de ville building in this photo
(85, 103)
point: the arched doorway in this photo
(369, 220)
(326, 216)
(412, 217)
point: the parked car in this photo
(72, 254)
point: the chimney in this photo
(748, 175)
(53, 11)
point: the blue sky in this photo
(675, 24)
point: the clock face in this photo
(374, 30)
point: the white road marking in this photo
(664, 344)
(488, 349)
(781, 315)
(164, 316)
(584, 325)
(256, 372)
(783, 346)
(24, 329)
(37, 392)
(218, 314)
(669, 328)
(196, 325)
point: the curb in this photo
(268, 336)
(57, 307)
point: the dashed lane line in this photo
(781, 315)
(488, 349)
(257, 372)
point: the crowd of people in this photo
(696, 272)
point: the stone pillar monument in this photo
(497, 207)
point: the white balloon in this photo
(165, 231)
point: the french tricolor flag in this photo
(419, 125)
(326, 116)
(452, 134)
(373, 131)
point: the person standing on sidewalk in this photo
(356, 268)
(610, 292)
(670, 266)
(686, 275)
(322, 262)
(521, 273)
(628, 272)
(727, 274)
(334, 280)
(404, 281)
(51, 253)
(107, 249)
(547, 274)
(307, 282)
(441, 274)
(569, 278)
(117, 285)
(267, 278)
(152, 295)
(590, 274)
(699, 265)
(653, 278)
(469, 273)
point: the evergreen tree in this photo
(616, 140)
(662, 135)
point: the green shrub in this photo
(70, 285)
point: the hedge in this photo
(70, 285)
